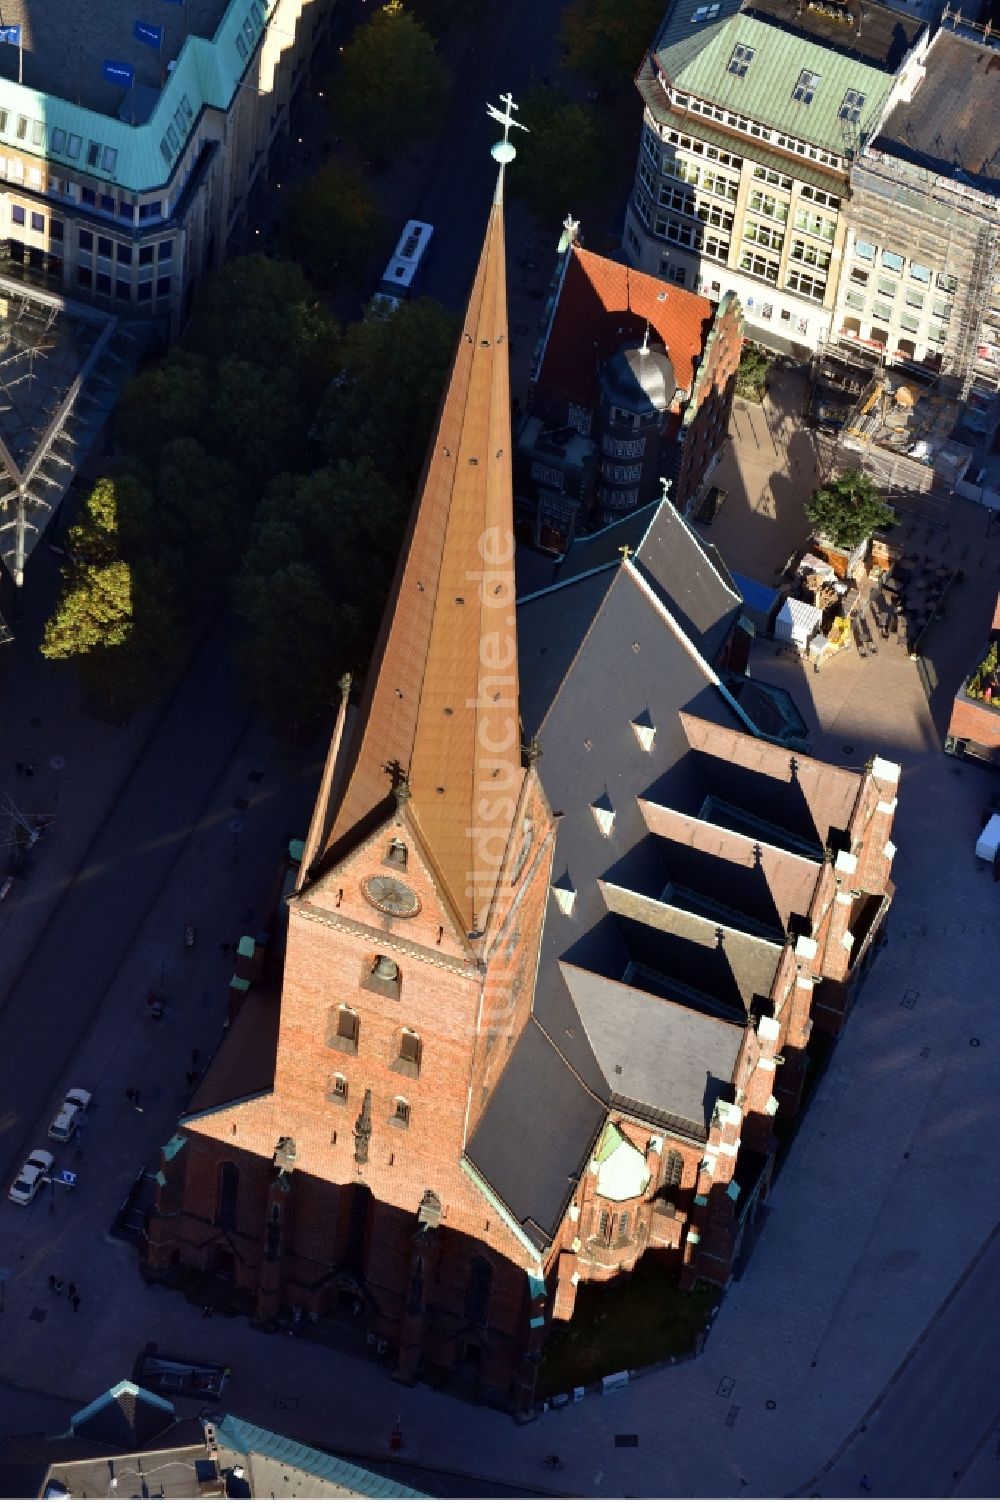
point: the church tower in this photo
(413, 940)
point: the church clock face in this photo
(390, 895)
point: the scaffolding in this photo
(952, 228)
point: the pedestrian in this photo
(866, 1483)
(206, 1312)
(135, 1098)
(75, 1302)
(71, 1291)
(19, 768)
(195, 1057)
(52, 1283)
(59, 1287)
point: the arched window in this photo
(400, 1112)
(337, 1088)
(229, 1194)
(342, 1030)
(477, 1291)
(407, 1062)
(396, 854)
(673, 1169)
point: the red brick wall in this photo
(975, 723)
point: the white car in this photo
(34, 1172)
(67, 1119)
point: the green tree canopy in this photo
(322, 551)
(848, 509)
(165, 402)
(200, 514)
(607, 39)
(386, 397)
(333, 227)
(113, 522)
(257, 421)
(265, 311)
(563, 158)
(391, 71)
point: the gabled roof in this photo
(440, 704)
(654, 1049)
(126, 1416)
(862, 52)
(602, 304)
(279, 1467)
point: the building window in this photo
(396, 855)
(400, 1112)
(107, 203)
(920, 273)
(892, 261)
(103, 282)
(887, 287)
(815, 224)
(144, 292)
(806, 285)
(946, 283)
(105, 246)
(228, 1195)
(165, 250)
(768, 205)
(859, 277)
(881, 310)
(16, 214)
(407, 1061)
(55, 229)
(58, 141)
(84, 276)
(241, 48)
(604, 1226)
(163, 287)
(764, 235)
(810, 255)
(741, 59)
(88, 198)
(855, 300)
(705, 13)
(93, 153)
(914, 299)
(936, 334)
(623, 1225)
(38, 223)
(865, 250)
(853, 104)
(673, 1169)
(759, 266)
(337, 1089)
(910, 323)
(806, 87)
(124, 253)
(343, 1028)
(477, 1291)
(145, 255)
(153, 210)
(123, 289)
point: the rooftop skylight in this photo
(806, 87)
(741, 59)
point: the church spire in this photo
(441, 703)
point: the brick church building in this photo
(569, 907)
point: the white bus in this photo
(400, 278)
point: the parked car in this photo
(66, 1121)
(34, 1172)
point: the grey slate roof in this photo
(945, 126)
(656, 1049)
(530, 1160)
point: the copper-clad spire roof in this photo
(441, 706)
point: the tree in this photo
(333, 228)
(117, 614)
(266, 312)
(313, 584)
(439, 16)
(384, 401)
(751, 377)
(563, 158)
(606, 39)
(257, 421)
(165, 402)
(201, 516)
(391, 73)
(848, 509)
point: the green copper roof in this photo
(138, 157)
(698, 61)
(611, 1139)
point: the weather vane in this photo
(503, 152)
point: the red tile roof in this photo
(603, 303)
